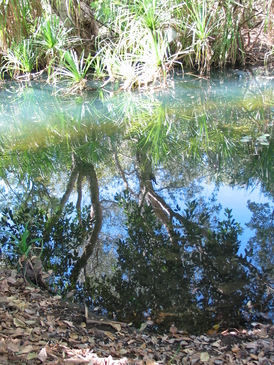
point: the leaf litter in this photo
(40, 328)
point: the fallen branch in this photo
(108, 323)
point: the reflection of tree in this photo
(185, 141)
(150, 269)
(79, 171)
(193, 276)
(261, 245)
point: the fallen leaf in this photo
(173, 330)
(123, 351)
(116, 326)
(235, 348)
(30, 322)
(143, 326)
(18, 322)
(216, 343)
(74, 336)
(204, 356)
(57, 297)
(11, 280)
(27, 349)
(42, 355)
(84, 339)
(110, 335)
(211, 332)
(31, 355)
(150, 362)
(14, 347)
(69, 323)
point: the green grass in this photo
(145, 39)
(73, 70)
(20, 59)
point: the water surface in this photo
(157, 207)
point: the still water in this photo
(156, 208)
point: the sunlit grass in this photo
(53, 39)
(73, 71)
(20, 59)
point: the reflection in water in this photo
(114, 185)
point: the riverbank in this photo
(37, 328)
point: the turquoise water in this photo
(157, 207)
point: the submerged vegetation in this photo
(137, 42)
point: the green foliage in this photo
(261, 245)
(201, 27)
(198, 33)
(53, 39)
(140, 55)
(196, 265)
(73, 70)
(20, 59)
(17, 242)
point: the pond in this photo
(152, 208)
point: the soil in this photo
(39, 327)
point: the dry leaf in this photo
(110, 335)
(70, 294)
(57, 297)
(42, 355)
(84, 339)
(204, 356)
(216, 343)
(74, 336)
(173, 330)
(18, 322)
(69, 323)
(30, 322)
(116, 326)
(143, 326)
(123, 352)
(235, 348)
(31, 355)
(27, 349)
(150, 362)
(13, 347)
(11, 280)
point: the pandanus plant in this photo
(20, 59)
(73, 70)
(53, 39)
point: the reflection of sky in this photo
(236, 199)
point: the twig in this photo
(108, 323)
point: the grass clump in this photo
(140, 42)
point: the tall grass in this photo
(207, 32)
(139, 54)
(146, 39)
(53, 39)
(73, 70)
(20, 59)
